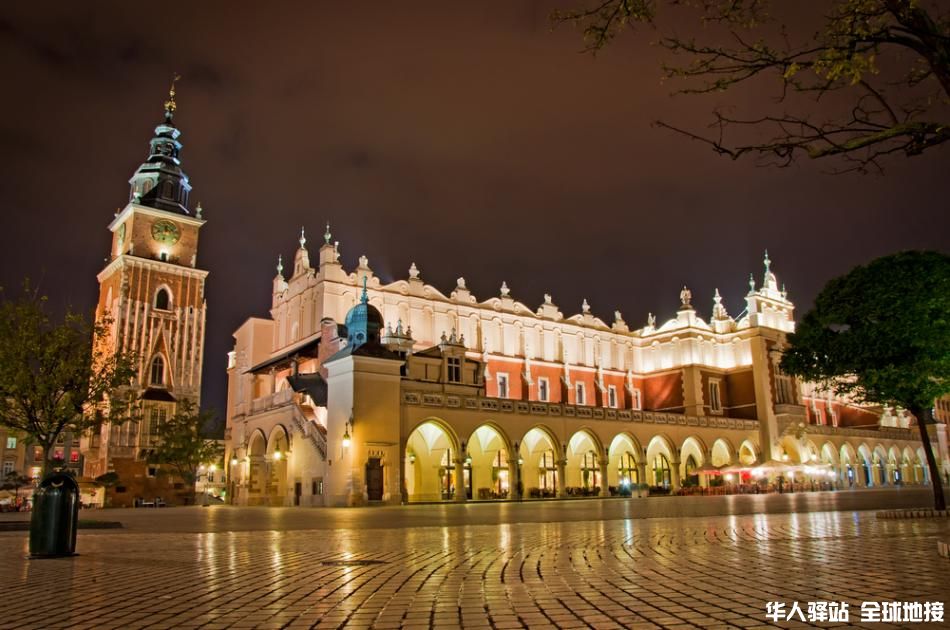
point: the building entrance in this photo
(374, 480)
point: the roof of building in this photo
(159, 394)
(313, 384)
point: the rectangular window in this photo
(543, 389)
(637, 402)
(11, 442)
(612, 396)
(715, 401)
(455, 369)
(579, 394)
(7, 468)
(502, 385)
(316, 486)
(152, 471)
(74, 457)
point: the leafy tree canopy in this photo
(880, 333)
(181, 445)
(871, 79)
(57, 376)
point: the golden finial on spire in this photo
(170, 105)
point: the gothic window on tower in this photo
(543, 389)
(158, 371)
(637, 402)
(163, 299)
(611, 395)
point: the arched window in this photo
(628, 469)
(163, 299)
(661, 471)
(158, 371)
(590, 470)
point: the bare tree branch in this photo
(908, 115)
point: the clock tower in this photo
(153, 292)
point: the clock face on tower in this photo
(166, 232)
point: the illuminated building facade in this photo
(355, 392)
(153, 292)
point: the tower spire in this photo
(364, 298)
(160, 182)
(303, 238)
(326, 235)
(170, 105)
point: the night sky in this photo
(471, 139)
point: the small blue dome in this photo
(364, 322)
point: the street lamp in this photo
(346, 432)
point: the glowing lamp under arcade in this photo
(346, 439)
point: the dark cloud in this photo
(470, 139)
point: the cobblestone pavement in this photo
(703, 571)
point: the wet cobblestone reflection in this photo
(716, 571)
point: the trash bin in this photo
(55, 517)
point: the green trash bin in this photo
(55, 517)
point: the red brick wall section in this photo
(740, 390)
(854, 416)
(553, 374)
(663, 393)
(620, 382)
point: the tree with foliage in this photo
(181, 446)
(57, 376)
(872, 80)
(881, 334)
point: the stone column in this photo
(603, 477)
(674, 476)
(460, 489)
(514, 476)
(641, 472)
(561, 477)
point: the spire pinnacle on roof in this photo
(326, 235)
(303, 238)
(719, 311)
(280, 264)
(751, 283)
(170, 105)
(364, 298)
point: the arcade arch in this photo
(487, 470)
(432, 462)
(541, 467)
(583, 474)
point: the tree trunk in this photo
(47, 459)
(923, 420)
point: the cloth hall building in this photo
(357, 392)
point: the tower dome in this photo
(364, 322)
